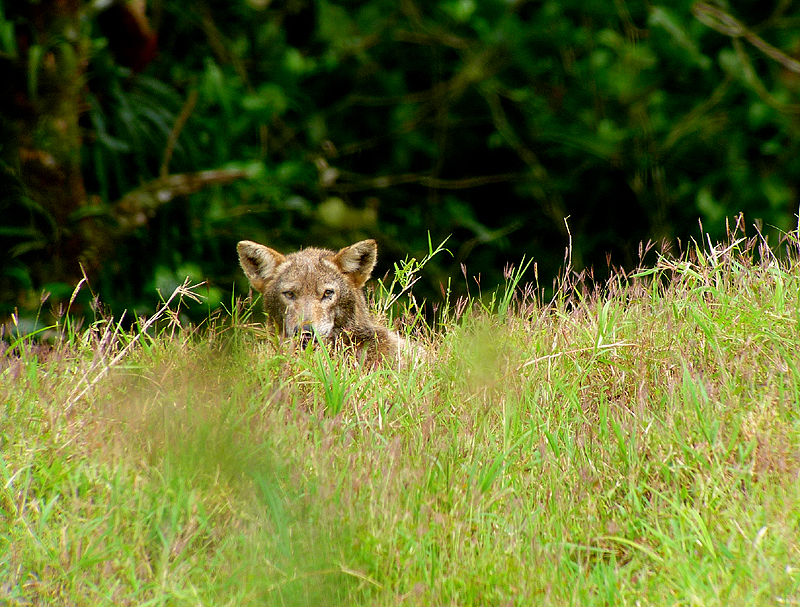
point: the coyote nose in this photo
(306, 334)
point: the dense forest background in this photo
(141, 141)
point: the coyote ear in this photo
(357, 261)
(258, 262)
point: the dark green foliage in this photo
(491, 121)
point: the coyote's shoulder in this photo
(318, 294)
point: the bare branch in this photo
(137, 206)
(724, 23)
(180, 122)
(356, 182)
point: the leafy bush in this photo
(513, 128)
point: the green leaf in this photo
(35, 54)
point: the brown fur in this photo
(317, 294)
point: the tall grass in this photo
(637, 443)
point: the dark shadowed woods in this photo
(141, 140)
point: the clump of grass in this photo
(637, 442)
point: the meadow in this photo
(632, 443)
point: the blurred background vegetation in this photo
(142, 139)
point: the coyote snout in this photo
(317, 294)
(309, 316)
(307, 334)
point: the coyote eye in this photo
(288, 295)
(327, 294)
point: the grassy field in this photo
(633, 445)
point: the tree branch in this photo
(137, 206)
(725, 23)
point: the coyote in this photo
(317, 294)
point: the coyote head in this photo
(313, 293)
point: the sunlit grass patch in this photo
(638, 442)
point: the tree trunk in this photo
(42, 153)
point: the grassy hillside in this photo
(638, 444)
